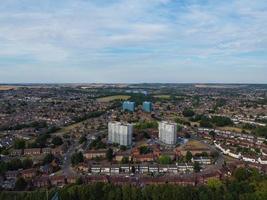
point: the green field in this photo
(162, 96)
(112, 98)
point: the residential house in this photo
(91, 154)
(17, 152)
(58, 180)
(40, 182)
(32, 152)
(12, 174)
(82, 167)
(29, 173)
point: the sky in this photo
(132, 41)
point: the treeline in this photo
(260, 131)
(15, 164)
(146, 125)
(140, 98)
(210, 122)
(88, 116)
(35, 124)
(246, 184)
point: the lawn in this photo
(194, 144)
(232, 129)
(112, 98)
(162, 96)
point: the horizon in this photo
(133, 41)
(130, 83)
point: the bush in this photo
(19, 144)
(109, 154)
(82, 139)
(20, 184)
(146, 125)
(27, 163)
(57, 141)
(77, 158)
(188, 112)
(48, 158)
(261, 131)
(165, 160)
(221, 121)
(144, 150)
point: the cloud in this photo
(129, 35)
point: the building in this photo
(12, 174)
(46, 150)
(167, 133)
(17, 152)
(41, 182)
(120, 133)
(58, 180)
(32, 152)
(29, 173)
(128, 106)
(120, 155)
(202, 160)
(91, 154)
(147, 106)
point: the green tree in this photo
(3, 167)
(77, 158)
(205, 122)
(188, 112)
(125, 160)
(19, 144)
(109, 154)
(41, 140)
(133, 169)
(221, 121)
(20, 184)
(27, 163)
(214, 183)
(123, 148)
(165, 160)
(261, 131)
(212, 134)
(14, 164)
(57, 141)
(48, 158)
(242, 174)
(79, 181)
(146, 125)
(188, 156)
(145, 150)
(82, 139)
(197, 167)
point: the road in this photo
(220, 160)
(66, 167)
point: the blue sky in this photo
(133, 41)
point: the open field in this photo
(232, 129)
(7, 87)
(162, 96)
(222, 86)
(112, 98)
(194, 144)
(68, 128)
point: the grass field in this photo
(233, 129)
(112, 98)
(194, 144)
(67, 129)
(162, 96)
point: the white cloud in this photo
(91, 35)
